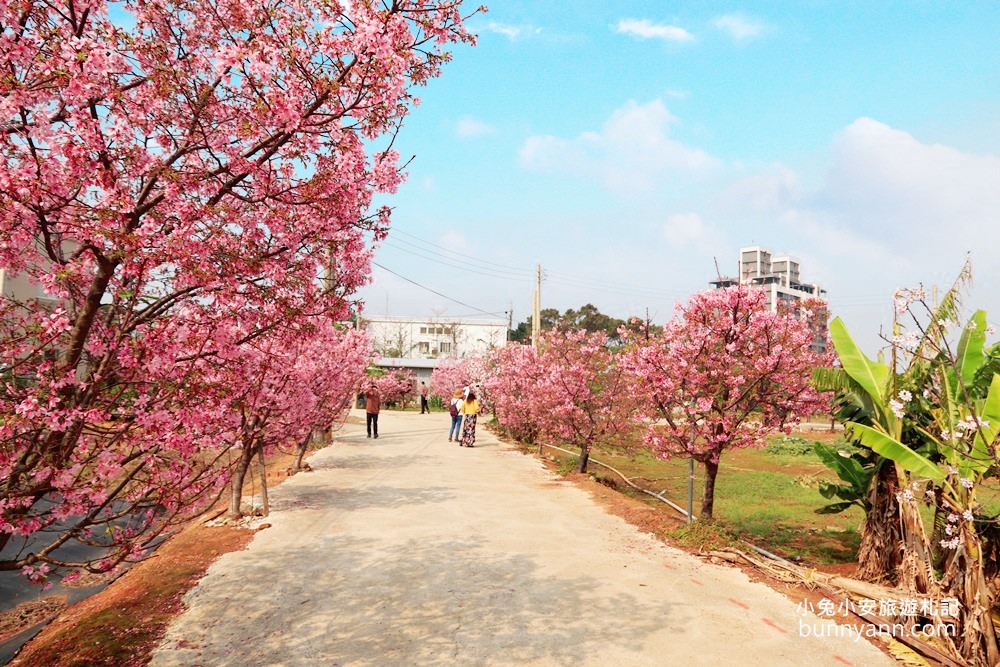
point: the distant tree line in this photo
(587, 318)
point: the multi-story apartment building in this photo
(780, 277)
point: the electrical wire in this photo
(504, 272)
(444, 262)
(453, 259)
(453, 252)
(444, 296)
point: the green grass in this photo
(768, 497)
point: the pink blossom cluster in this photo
(187, 194)
(449, 375)
(724, 373)
(570, 392)
(472, 372)
(396, 385)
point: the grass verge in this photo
(767, 497)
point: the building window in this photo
(444, 348)
(424, 348)
(423, 330)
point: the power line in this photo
(445, 262)
(453, 252)
(444, 296)
(455, 260)
(484, 267)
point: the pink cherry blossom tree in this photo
(582, 397)
(396, 385)
(723, 374)
(298, 385)
(449, 375)
(510, 379)
(173, 184)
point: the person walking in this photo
(456, 415)
(372, 404)
(470, 410)
(423, 399)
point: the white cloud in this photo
(648, 30)
(740, 28)
(470, 128)
(512, 32)
(632, 153)
(766, 193)
(677, 94)
(456, 241)
(882, 174)
(889, 211)
(689, 231)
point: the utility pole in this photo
(536, 307)
(510, 321)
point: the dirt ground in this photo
(121, 624)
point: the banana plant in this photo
(856, 471)
(937, 423)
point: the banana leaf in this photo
(835, 508)
(847, 469)
(871, 375)
(896, 451)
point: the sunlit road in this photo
(410, 550)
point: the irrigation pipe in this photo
(659, 496)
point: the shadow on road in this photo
(363, 602)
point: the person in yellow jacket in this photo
(470, 410)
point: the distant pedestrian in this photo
(470, 410)
(372, 405)
(423, 399)
(456, 415)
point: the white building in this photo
(419, 344)
(779, 277)
(434, 338)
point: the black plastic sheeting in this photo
(15, 589)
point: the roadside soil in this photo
(123, 624)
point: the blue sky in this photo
(627, 146)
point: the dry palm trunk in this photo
(879, 553)
(962, 579)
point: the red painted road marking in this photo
(739, 604)
(695, 581)
(774, 625)
(843, 660)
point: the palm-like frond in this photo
(949, 309)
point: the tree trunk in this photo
(584, 458)
(708, 497)
(236, 483)
(303, 446)
(262, 469)
(880, 552)
(978, 641)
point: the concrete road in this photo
(410, 550)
